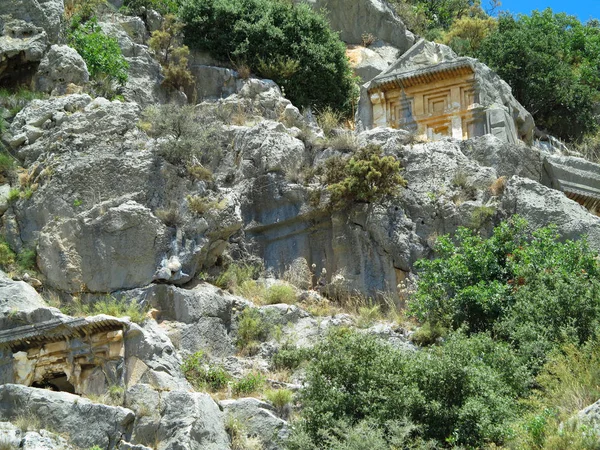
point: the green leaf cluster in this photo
(552, 63)
(367, 176)
(309, 59)
(463, 392)
(100, 52)
(526, 288)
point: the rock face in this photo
(22, 47)
(18, 296)
(93, 211)
(177, 420)
(353, 19)
(46, 14)
(31, 440)
(86, 423)
(368, 62)
(60, 67)
(259, 420)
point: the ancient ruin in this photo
(434, 94)
(77, 355)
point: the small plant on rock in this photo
(252, 328)
(250, 383)
(282, 401)
(280, 293)
(368, 177)
(203, 374)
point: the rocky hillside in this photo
(168, 254)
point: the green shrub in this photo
(281, 400)
(306, 57)
(290, 358)
(109, 305)
(280, 293)
(204, 375)
(27, 259)
(14, 195)
(252, 328)
(551, 61)
(250, 383)
(368, 177)
(15, 100)
(236, 275)
(7, 166)
(188, 136)
(100, 52)
(464, 392)
(527, 288)
(7, 256)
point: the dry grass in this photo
(497, 187)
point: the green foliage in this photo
(552, 63)
(280, 293)
(305, 56)
(250, 383)
(14, 195)
(527, 288)
(27, 259)
(173, 57)
(281, 400)
(467, 33)
(7, 256)
(100, 52)
(7, 166)
(236, 275)
(463, 392)
(329, 119)
(204, 375)
(290, 358)
(15, 100)
(367, 177)
(109, 305)
(252, 328)
(188, 137)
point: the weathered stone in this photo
(542, 206)
(176, 420)
(434, 93)
(368, 62)
(22, 47)
(60, 67)
(105, 249)
(86, 423)
(151, 358)
(353, 19)
(18, 296)
(46, 14)
(31, 440)
(259, 419)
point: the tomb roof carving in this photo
(58, 329)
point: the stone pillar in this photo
(379, 109)
(457, 131)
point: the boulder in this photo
(60, 67)
(259, 420)
(368, 62)
(31, 440)
(104, 249)
(543, 206)
(176, 420)
(47, 14)
(589, 417)
(85, 423)
(18, 296)
(356, 18)
(22, 47)
(151, 358)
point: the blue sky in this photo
(584, 9)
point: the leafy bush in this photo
(280, 293)
(15, 100)
(290, 358)
(467, 33)
(185, 137)
(204, 375)
(100, 52)
(552, 63)
(7, 166)
(250, 383)
(172, 55)
(236, 274)
(527, 288)
(252, 328)
(463, 392)
(367, 177)
(7, 256)
(281, 399)
(309, 60)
